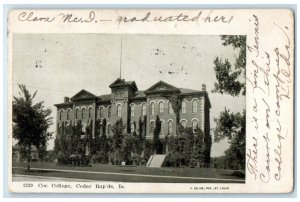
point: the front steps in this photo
(156, 161)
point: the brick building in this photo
(127, 102)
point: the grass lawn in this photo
(115, 173)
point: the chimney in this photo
(66, 99)
(203, 87)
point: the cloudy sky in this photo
(58, 65)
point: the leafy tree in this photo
(232, 126)
(126, 149)
(140, 139)
(207, 145)
(229, 125)
(176, 102)
(103, 144)
(30, 121)
(199, 147)
(156, 140)
(231, 80)
(104, 126)
(117, 130)
(42, 152)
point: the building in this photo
(127, 102)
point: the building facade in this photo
(126, 102)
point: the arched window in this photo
(183, 107)
(195, 124)
(101, 112)
(152, 127)
(109, 111)
(132, 128)
(90, 112)
(68, 114)
(152, 108)
(162, 129)
(170, 127)
(195, 105)
(119, 110)
(108, 129)
(83, 112)
(170, 108)
(161, 107)
(144, 109)
(183, 123)
(60, 114)
(77, 113)
(132, 110)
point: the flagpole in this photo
(121, 59)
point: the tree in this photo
(42, 152)
(140, 136)
(117, 130)
(199, 147)
(232, 126)
(176, 102)
(30, 121)
(126, 148)
(156, 141)
(231, 80)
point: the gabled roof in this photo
(122, 82)
(162, 86)
(83, 94)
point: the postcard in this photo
(151, 101)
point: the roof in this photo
(159, 87)
(105, 97)
(83, 94)
(122, 82)
(186, 91)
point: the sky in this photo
(59, 65)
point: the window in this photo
(83, 112)
(77, 113)
(144, 109)
(170, 108)
(132, 127)
(183, 123)
(170, 127)
(162, 129)
(195, 124)
(183, 107)
(161, 107)
(132, 110)
(119, 110)
(108, 129)
(152, 127)
(90, 112)
(152, 108)
(109, 111)
(101, 112)
(68, 114)
(61, 115)
(195, 105)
